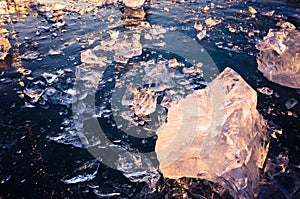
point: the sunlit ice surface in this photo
(86, 87)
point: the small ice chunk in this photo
(142, 100)
(54, 35)
(113, 34)
(65, 122)
(268, 13)
(4, 32)
(56, 5)
(134, 3)
(89, 57)
(3, 8)
(24, 71)
(34, 94)
(6, 80)
(84, 173)
(68, 137)
(265, 90)
(173, 63)
(273, 165)
(138, 168)
(198, 26)
(4, 48)
(30, 55)
(201, 35)
(43, 28)
(206, 8)
(211, 22)
(50, 91)
(291, 103)
(158, 76)
(55, 52)
(286, 25)
(157, 30)
(5, 179)
(128, 47)
(49, 77)
(192, 70)
(28, 105)
(99, 194)
(71, 91)
(252, 11)
(148, 36)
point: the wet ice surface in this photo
(278, 58)
(84, 173)
(44, 113)
(218, 120)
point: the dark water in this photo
(32, 165)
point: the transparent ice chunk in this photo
(28, 105)
(34, 94)
(5, 179)
(133, 3)
(265, 90)
(291, 103)
(201, 35)
(215, 134)
(142, 100)
(100, 194)
(84, 173)
(50, 78)
(138, 167)
(30, 55)
(55, 52)
(67, 137)
(4, 48)
(278, 58)
(158, 76)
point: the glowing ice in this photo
(279, 58)
(216, 134)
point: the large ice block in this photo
(216, 134)
(279, 56)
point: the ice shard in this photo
(138, 168)
(142, 100)
(216, 134)
(279, 58)
(84, 173)
(4, 48)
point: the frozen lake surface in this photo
(74, 72)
